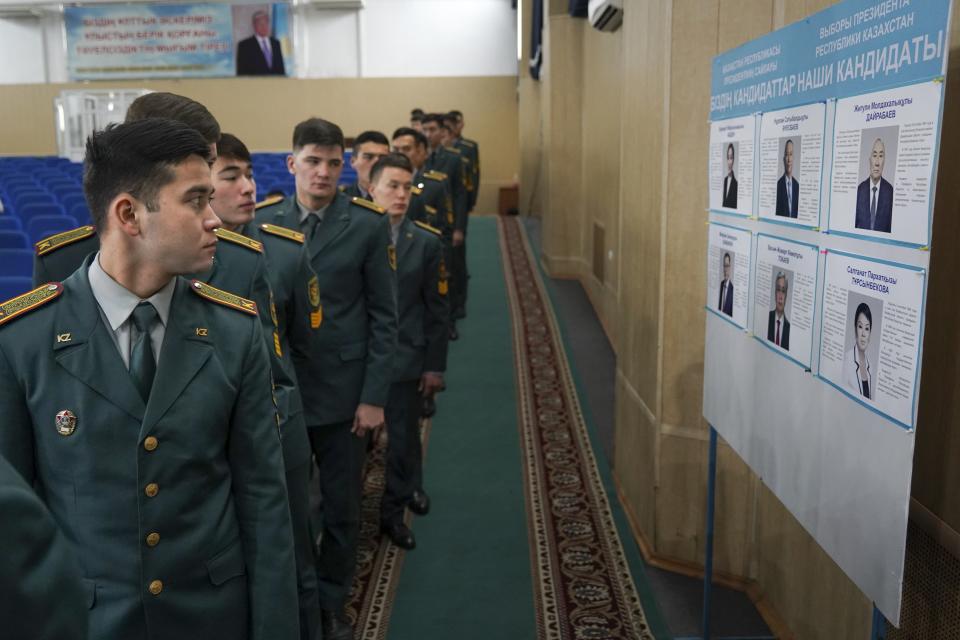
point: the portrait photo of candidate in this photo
(788, 188)
(862, 345)
(878, 157)
(725, 297)
(778, 326)
(259, 54)
(730, 177)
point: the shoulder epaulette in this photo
(242, 240)
(426, 227)
(225, 298)
(368, 205)
(283, 232)
(435, 175)
(269, 201)
(453, 150)
(469, 143)
(16, 307)
(58, 240)
(415, 190)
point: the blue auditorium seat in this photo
(70, 200)
(16, 262)
(22, 199)
(10, 223)
(13, 286)
(14, 240)
(28, 212)
(42, 226)
(80, 213)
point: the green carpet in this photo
(469, 577)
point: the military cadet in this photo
(345, 378)
(416, 119)
(449, 162)
(41, 595)
(139, 403)
(430, 203)
(469, 148)
(297, 314)
(422, 344)
(368, 147)
(59, 255)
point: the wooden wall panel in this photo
(263, 112)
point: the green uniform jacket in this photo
(351, 190)
(236, 268)
(421, 303)
(41, 595)
(450, 163)
(430, 203)
(291, 278)
(470, 149)
(187, 490)
(351, 360)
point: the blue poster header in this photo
(854, 47)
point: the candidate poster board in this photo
(883, 163)
(732, 145)
(728, 273)
(814, 440)
(791, 164)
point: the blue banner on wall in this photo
(851, 48)
(178, 41)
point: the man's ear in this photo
(124, 213)
(290, 165)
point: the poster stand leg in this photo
(879, 631)
(708, 562)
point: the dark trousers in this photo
(458, 299)
(404, 467)
(340, 456)
(303, 547)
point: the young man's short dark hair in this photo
(416, 114)
(433, 117)
(450, 119)
(179, 108)
(394, 160)
(456, 113)
(318, 131)
(230, 146)
(136, 158)
(418, 138)
(375, 137)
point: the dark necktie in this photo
(309, 226)
(873, 209)
(143, 366)
(778, 334)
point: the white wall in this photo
(386, 38)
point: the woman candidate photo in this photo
(857, 372)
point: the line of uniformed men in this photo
(122, 387)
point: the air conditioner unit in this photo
(605, 15)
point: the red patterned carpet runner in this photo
(583, 588)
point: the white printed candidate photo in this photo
(883, 163)
(791, 164)
(785, 299)
(731, 165)
(872, 315)
(728, 273)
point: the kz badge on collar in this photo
(66, 422)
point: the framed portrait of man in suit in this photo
(261, 33)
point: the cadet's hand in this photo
(367, 418)
(430, 383)
(457, 238)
